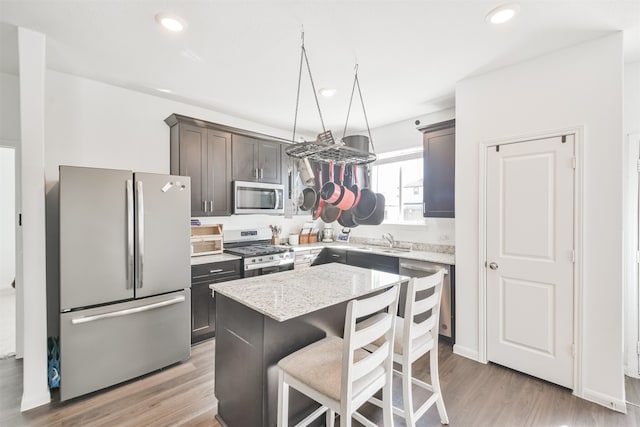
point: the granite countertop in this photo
(206, 259)
(418, 255)
(283, 296)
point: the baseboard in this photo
(631, 373)
(465, 352)
(618, 405)
(30, 402)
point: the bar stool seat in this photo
(338, 373)
(319, 365)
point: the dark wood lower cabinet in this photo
(203, 306)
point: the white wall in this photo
(7, 217)
(32, 111)
(632, 135)
(9, 109)
(577, 86)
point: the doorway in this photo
(529, 242)
(7, 252)
(632, 279)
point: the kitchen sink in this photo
(396, 250)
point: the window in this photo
(401, 183)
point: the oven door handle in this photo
(276, 263)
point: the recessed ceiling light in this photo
(327, 92)
(502, 14)
(171, 22)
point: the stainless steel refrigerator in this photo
(125, 302)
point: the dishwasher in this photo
(413, 268)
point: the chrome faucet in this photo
(389, 238)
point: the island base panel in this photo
(248, 348)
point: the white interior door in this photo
(529, 228)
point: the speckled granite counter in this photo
(283, 296)
(206, 259)
(437, 257)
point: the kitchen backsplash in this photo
(435, 235)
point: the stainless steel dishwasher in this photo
(413, 268)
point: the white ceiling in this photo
(242, 57)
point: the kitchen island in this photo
(262, 319)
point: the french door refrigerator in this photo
(125, 302)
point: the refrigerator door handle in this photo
(120, 313)
(140, 233)
(130, 254)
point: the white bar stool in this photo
(414, 339)
(338, 373)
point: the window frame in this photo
(397, 157)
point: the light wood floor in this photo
(475, 395)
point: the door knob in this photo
(493, 266)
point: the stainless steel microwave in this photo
(258, 198)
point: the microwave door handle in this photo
(277, 200)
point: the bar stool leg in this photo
(407, 392)
(435, 383)
(331, 418)
(283, 401)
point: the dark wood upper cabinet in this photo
(256, 160)
(439, 170)
(203, 154)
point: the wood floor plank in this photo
(183, 395)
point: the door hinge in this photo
(497, 148)
(573, 255)
(574, 162)
(564, 138)
(638, 348)
(20, 219)
(573, 350)
(637, 257)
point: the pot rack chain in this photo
(303, 56)
(356, 83)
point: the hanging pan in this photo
(330, 212)
(377, 215)
(319, 206)
(307, 198)
(367, 203)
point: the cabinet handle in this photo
(204, 206)
(255, 173)
(261, 173)
(218, 270)
(210, 206)
(335, 255)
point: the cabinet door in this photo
(269, 162)
(439, 172)
(244, 153)
(373, 261)
(203, 313)
(193, 163)
(219, 172)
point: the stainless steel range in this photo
(258, 255)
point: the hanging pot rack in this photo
(325, 149)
